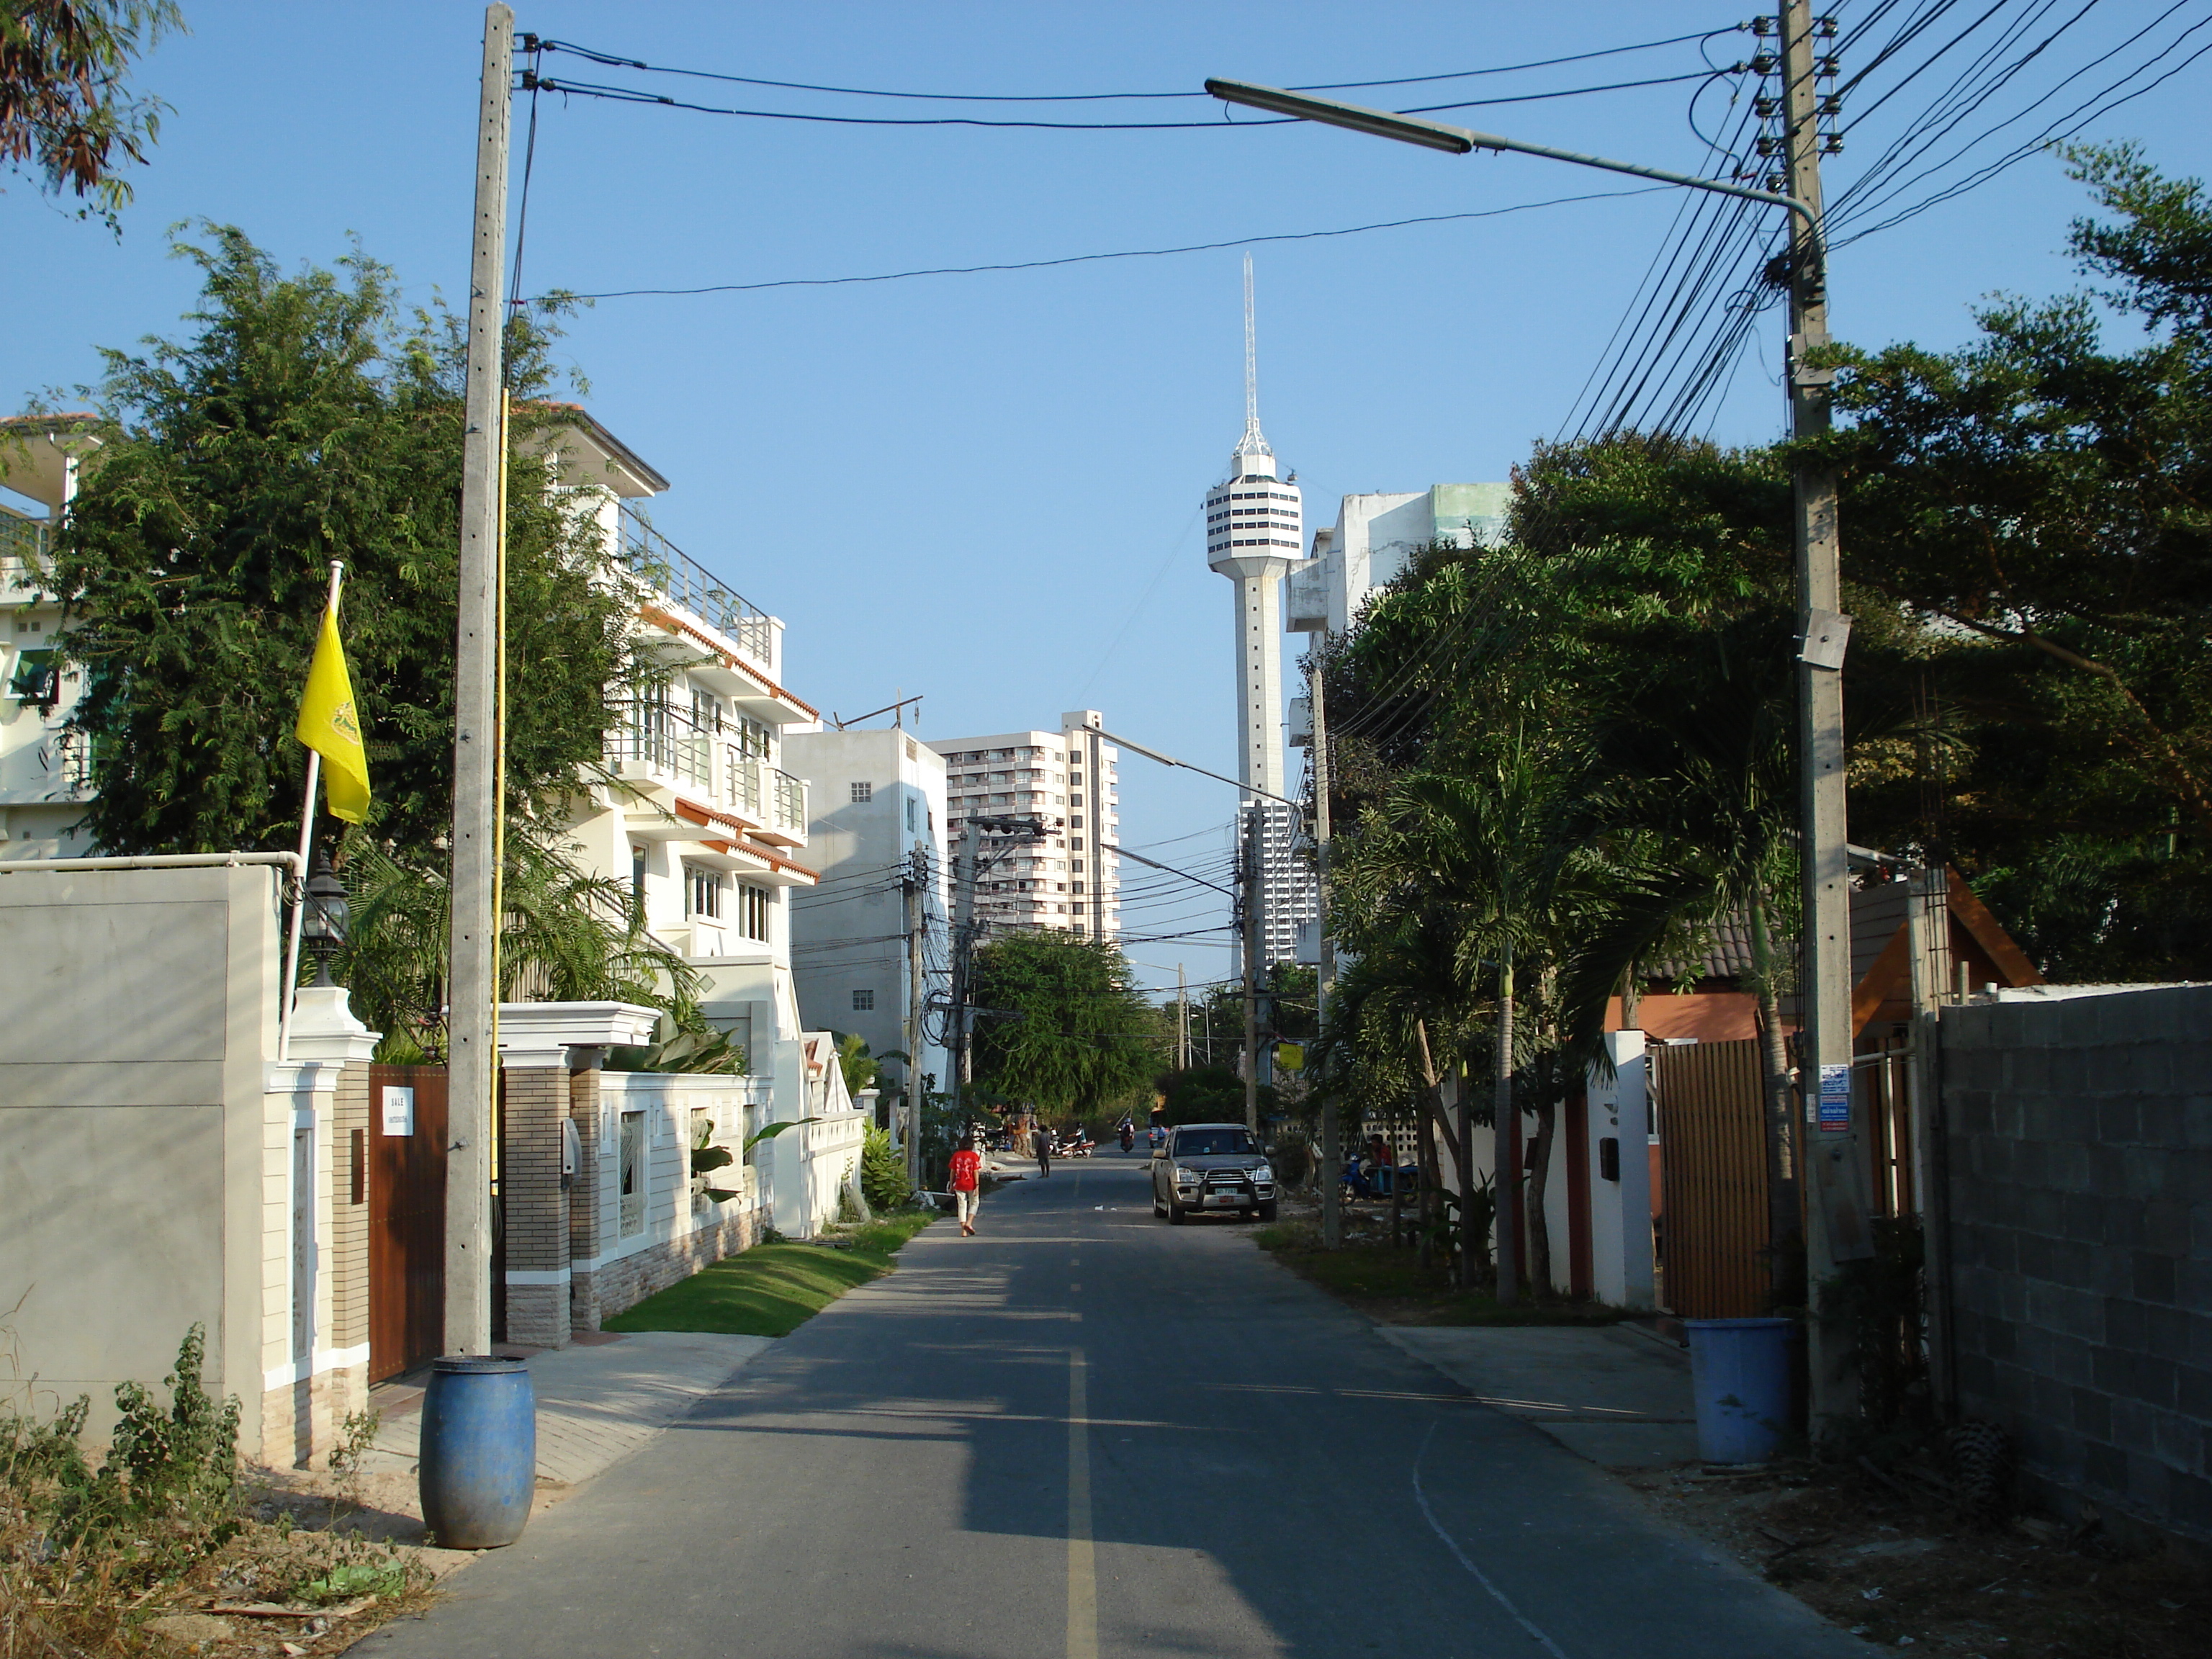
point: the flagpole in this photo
(307, 844)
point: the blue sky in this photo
(985, 489)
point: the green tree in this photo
(1060, 1025)
(2038, 496)
(304, 419)
(67, 111)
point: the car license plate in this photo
(1223, 1199)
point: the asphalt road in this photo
(1086, 1433)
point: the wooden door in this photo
(1712, 1142)
(406, 1217)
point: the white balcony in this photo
(665, 754)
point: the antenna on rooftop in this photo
(1252, 443)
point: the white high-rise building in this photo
(1067, 781)
(1373, 539)
(1255, 532)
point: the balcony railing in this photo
(658, 561)
(670, 741)
(659, 737)
(23, 543)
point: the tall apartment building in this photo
(1068, 781)
(875, 830)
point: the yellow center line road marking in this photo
(1082, 1565)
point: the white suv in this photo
(1212, 1166)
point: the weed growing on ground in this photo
(91, 1554)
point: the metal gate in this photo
(406, 1217)
(1709, 1106)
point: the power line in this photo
(1090, 259)
(612, 61)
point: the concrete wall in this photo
(2079, 1143)
(145, 1167)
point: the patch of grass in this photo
(771, 1289)
(1390, 1285)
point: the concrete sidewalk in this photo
(597, 1401)
(1612, 1394)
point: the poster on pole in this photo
(1836, 1098)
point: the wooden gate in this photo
(1708, 1102)
(406, 1217)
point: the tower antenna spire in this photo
(1252, 443)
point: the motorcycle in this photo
(1128, 1139)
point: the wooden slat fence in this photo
(1707, 1100)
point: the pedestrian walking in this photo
(967, 1173)
(1042, 1137)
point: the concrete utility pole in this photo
(964, 946)
(1251, 907)
(1836, 1227)
(472, 1062)
(917, 876)
(1332, 1133)
(1183, 1021)
(1927, 916)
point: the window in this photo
(863, 791)
(753, 739)
(702, 891)
(34, 676)
(1079, 886)
(863, 1001)
(633, 1173)
(752, 911)
(637, 875)
(913, 816)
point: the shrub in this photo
(884, 1182)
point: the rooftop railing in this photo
(653, 559)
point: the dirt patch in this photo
(1905, 1572)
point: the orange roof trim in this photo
(654, 613)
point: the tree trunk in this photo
(1470, 1247)
(1424, 1158)
(1785, 1229)
(1454, 1143)
(1397, 1196)
(1508, 1255)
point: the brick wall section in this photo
(535, 1207)
(2079, 1135)
(349, 1220)
(348, 1241)
(584, 1195)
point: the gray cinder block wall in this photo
(2079, 1142)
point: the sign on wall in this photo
(398, 1109)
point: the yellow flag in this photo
(331, 726)
(1291, 1056)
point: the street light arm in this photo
(1459, 141)
(1170, 760)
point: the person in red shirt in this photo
(967, 1169)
